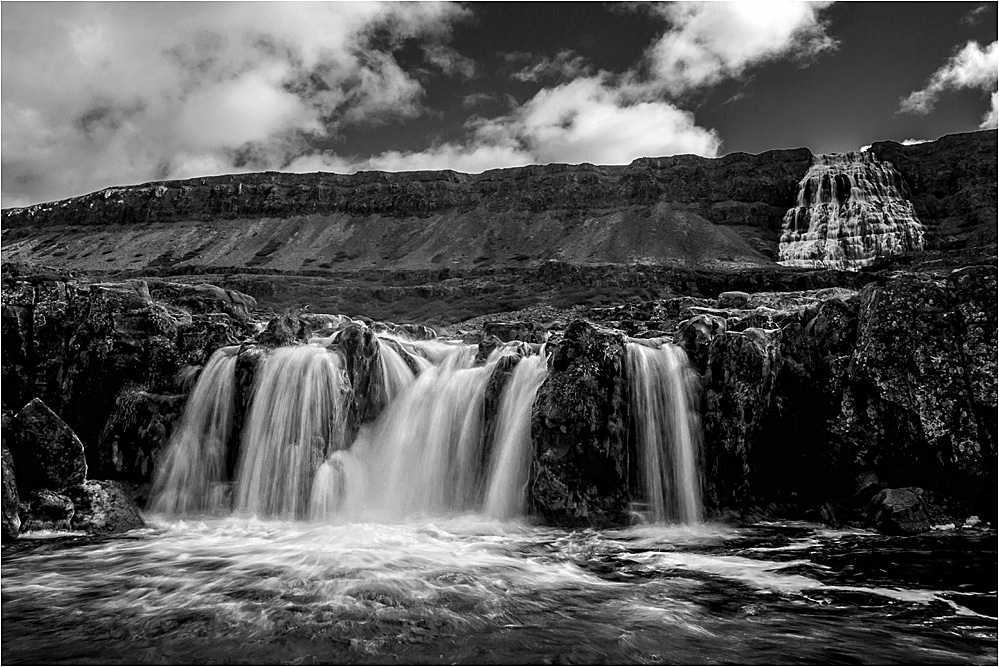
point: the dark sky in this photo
(95, 95)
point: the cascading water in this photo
(191, 476)
(662, 387)
(296, 419)
(851, 209)
(423, 454)
(511, 461)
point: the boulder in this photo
(46, 452)
(579, 474)
(899, 512)
(735, 300)
(359, 346)
(11, 523)
(104, 507)
(47, 510)
(695, 335)
(136, 433)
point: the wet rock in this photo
(579, 474)
(285, 329)
(733, 300)
(739, 381)
(695, 335)
(359, 346)
(416, 331)
(137, 431)
(899, 512)
(46, 452)
(528, 332)
(104, 506)
(47, 510)
(10, 525)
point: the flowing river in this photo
(467, 589)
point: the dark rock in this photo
(104, 507)
(579, 474)
(11, 523)
(740, 377)
(908, 410)
(137, 431)
(47, 510)
(831, 514)
(359, 346)
(527, 332)
(46, 452)
(285, 329)
(899, 512)
(733, 300)
(695, 336)
(416, 331)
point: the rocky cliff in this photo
(680, 211)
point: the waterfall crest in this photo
(190, 478)
(851, 209)
(662, 387)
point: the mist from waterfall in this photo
(190, 478)
(662, 388)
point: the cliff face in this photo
(682, 210)
(952, 185)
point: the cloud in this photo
(96, 94)
(708, 42)
(975, 15)
(566, 65)
(972, 67)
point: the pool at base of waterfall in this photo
(464, 589)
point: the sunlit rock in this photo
(851, 210)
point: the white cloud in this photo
(972, 67)
(708, 42)
(566, 65)
(914, 142)
(105, 93)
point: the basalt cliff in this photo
(863, 396)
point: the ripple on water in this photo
(470, 590)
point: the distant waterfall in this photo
(511, 460)
(296, 419)
(191, 475)
(851, 209)
(666, 429)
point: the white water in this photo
(507, 492)
(190, 477)
(662, 388)
(296, 419)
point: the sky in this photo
(102, 94)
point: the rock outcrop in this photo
(899, 512)
(580, 471)
(103, 507)
(77, 345)
(10, 525)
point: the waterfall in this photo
(190, 478)
(511, 461)
(851, 209)
(396, 373)
(423, 454)
(662, 387)
(296, 419)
